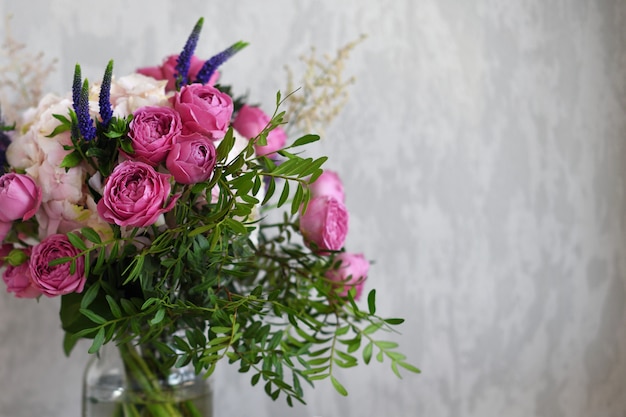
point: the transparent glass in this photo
(126, 381)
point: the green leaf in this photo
(342, 330)
(96, 318)
(126, 146)
(59, 261)
(394, 322)
(129, 307)
(284, 195)
(297, 199)
(226, 145)
(255, 379)
(148, 303)
(367, 352)
(221, 330)
(90, 295)
(158, 317)
(371, 302)
(270, 190)
(319, 361)
(71, 160)
(69, 341)
(59, 129)
(97, 341)
(372, 328)
(340, 388)
(386, 345)
(115, 308)
(409, 367)
(304, 140)
(91, 235)
(76, 241)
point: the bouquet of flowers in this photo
(181, 225)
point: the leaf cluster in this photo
(215, 282)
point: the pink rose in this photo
(328, 184)
(350, 271)
(20, 197)
(135, 195)
(152, 132)
(204, 109)
(18, 280)
(167, 71)
(324, 225)
(58, 279)
(192, 159)
(250, 121)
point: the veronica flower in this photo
(211, 65)
(81, 106)
(106, 111)
(182, 65)
(85, 122)
(76, 85)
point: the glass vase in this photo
(129, 381)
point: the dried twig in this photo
(22, 75)
(322, 92)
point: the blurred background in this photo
(483, 150)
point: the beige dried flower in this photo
(322, 93)
(22, 76)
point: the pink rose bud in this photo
(152, 132)
(58, 279)
(135, 195)
(167, 71)
(350, 272)
(324, 225)
(204, 109)
(18, 281)
(328, 184)
(250, 121)
(192, 159)
(20, 197)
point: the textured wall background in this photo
(484, 152)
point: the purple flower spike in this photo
(184, 59)
(106, 111)
(211, 65)
(85, 122)
(76, 85)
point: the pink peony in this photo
(191, 159)
(351, 271)
(135, 195)
(58, 279)
(250, 121)
(152, 132)
(324, 225)
(328, 184)
(20, 197)
(18, 280)
(204, 109)
(167, 71)
(62, 216)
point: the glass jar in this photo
(129, 381)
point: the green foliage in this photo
(226, 285)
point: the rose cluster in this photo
(324, 227)
(173, 135)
